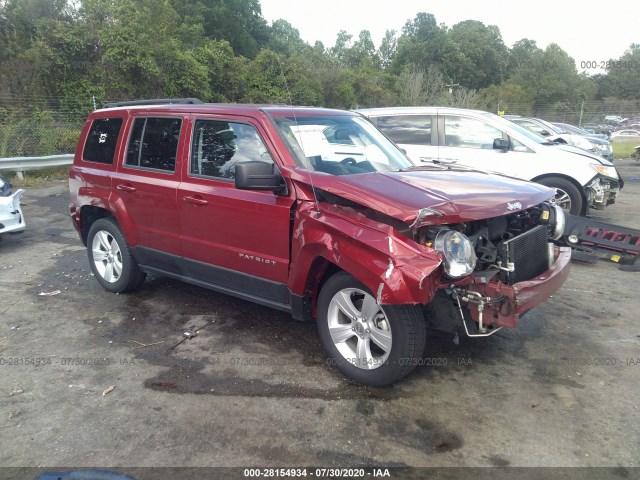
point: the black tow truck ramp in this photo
(592, 240)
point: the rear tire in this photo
(568, 196)
(372, 344)
(110, 258)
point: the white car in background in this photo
(11, 217)
(485, 141)
(553, 133)
(625, 134)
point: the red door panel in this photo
(147, 180)
(241, 230)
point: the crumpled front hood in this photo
(457, 195)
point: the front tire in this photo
(568, 196)
(110, 258)
(372, 344)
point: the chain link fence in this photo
(33, 127)
(576, 113)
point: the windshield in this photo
(534, 137)
(551, 127)
(339, 145)
(574, 129)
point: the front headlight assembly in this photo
(457, 249)
(605, 170)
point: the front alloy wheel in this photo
(359, 328)
(567, 197)
(563, 200)
(373, 344)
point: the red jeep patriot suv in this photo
(314, 212)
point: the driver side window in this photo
(217, 146)
(465, 132)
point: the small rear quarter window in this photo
(102, 140)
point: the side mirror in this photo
(545, 133)
(501, 144)
(256, 175)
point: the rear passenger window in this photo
(407, 129)
(102, 140)
(154, 143)
(217, 146)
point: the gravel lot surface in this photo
(253, 388)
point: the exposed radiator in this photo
(528, 253)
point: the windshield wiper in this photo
(448, 167)
(431, 166)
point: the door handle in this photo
(126, 188)
(196, 200)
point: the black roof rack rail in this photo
(153, 101)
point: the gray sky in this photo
(588, 32)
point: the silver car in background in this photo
(601, 141)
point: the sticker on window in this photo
(312, 139)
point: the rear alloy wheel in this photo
(111, 260)
(568, 197)
(372, 344)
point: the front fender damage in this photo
(394, 268)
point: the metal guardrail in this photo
(25, 164)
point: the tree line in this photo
(72, 52)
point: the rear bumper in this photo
(11, 217)
(519, 298)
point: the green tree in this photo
(363, 52)
(285, 39)
(30, 51)
(623, 75)
(522, 52)
(340, 49)
(484, 58)
(424, 43)
(222, 70)
(239, 22)
(281, 80)
(550, 76)
(139, 49)
(507, 97)
(387, 49)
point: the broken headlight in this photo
(459, 256)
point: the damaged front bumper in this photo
(11, 217)
(494, 304)
(602, 191)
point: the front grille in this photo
(528, 253)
